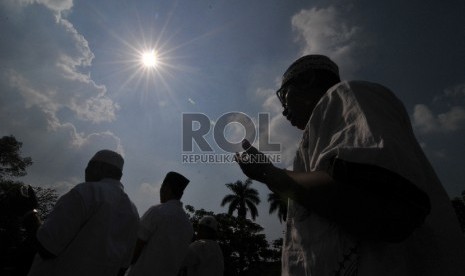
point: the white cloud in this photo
(146, 195)
(456, 91)
(48, 98)
(96, 109)
(425, 121)
(45, 65)
(271, 103)
(54, 5)
(325, 31)
(282, 132)
(279, 130)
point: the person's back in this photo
(165, 232)
(169, 234)
(107, 225)
(91, 231)
(364, 123)
(436, 247)
(206, 258)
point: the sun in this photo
(149, 59)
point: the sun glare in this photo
(149, 59)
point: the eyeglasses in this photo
(281, 94)
(297, 83)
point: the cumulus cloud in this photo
(146, 195)
(45, 65)
(426, 121)
(277, 130)
(454, 94)
(324, 31)
(49, 100)
(55, 5)
(282, 133)
(270, 101)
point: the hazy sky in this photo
(72, 81)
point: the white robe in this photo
(365, 123)
(168, 233)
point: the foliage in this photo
(47, 198)
(279, 205)
(17, 247)
(243, 199)
(11, 162)
(16, 198)
(245, 248)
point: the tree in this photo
(47, 198)
(11, 162)
(13, 165)
(279, 205)
(243, 199)
(17, 247)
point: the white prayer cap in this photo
(210, 222)
(109, 157)
(309, 62)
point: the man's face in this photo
(299, 102)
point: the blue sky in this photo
(72, 82)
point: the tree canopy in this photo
(12, 164)
(243, 199)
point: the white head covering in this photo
(210, 222)
(109, 157)
(309, 62)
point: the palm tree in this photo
(279, 205)
(243, 199)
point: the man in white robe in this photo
(364, 200)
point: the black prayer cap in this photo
(177, 182)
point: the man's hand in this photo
(253, 163)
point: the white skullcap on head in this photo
(109, 157)
(309, 62)
(210, 222)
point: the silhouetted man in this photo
(92, 228)
(364, 199)
(205, 257)
(164, 232)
